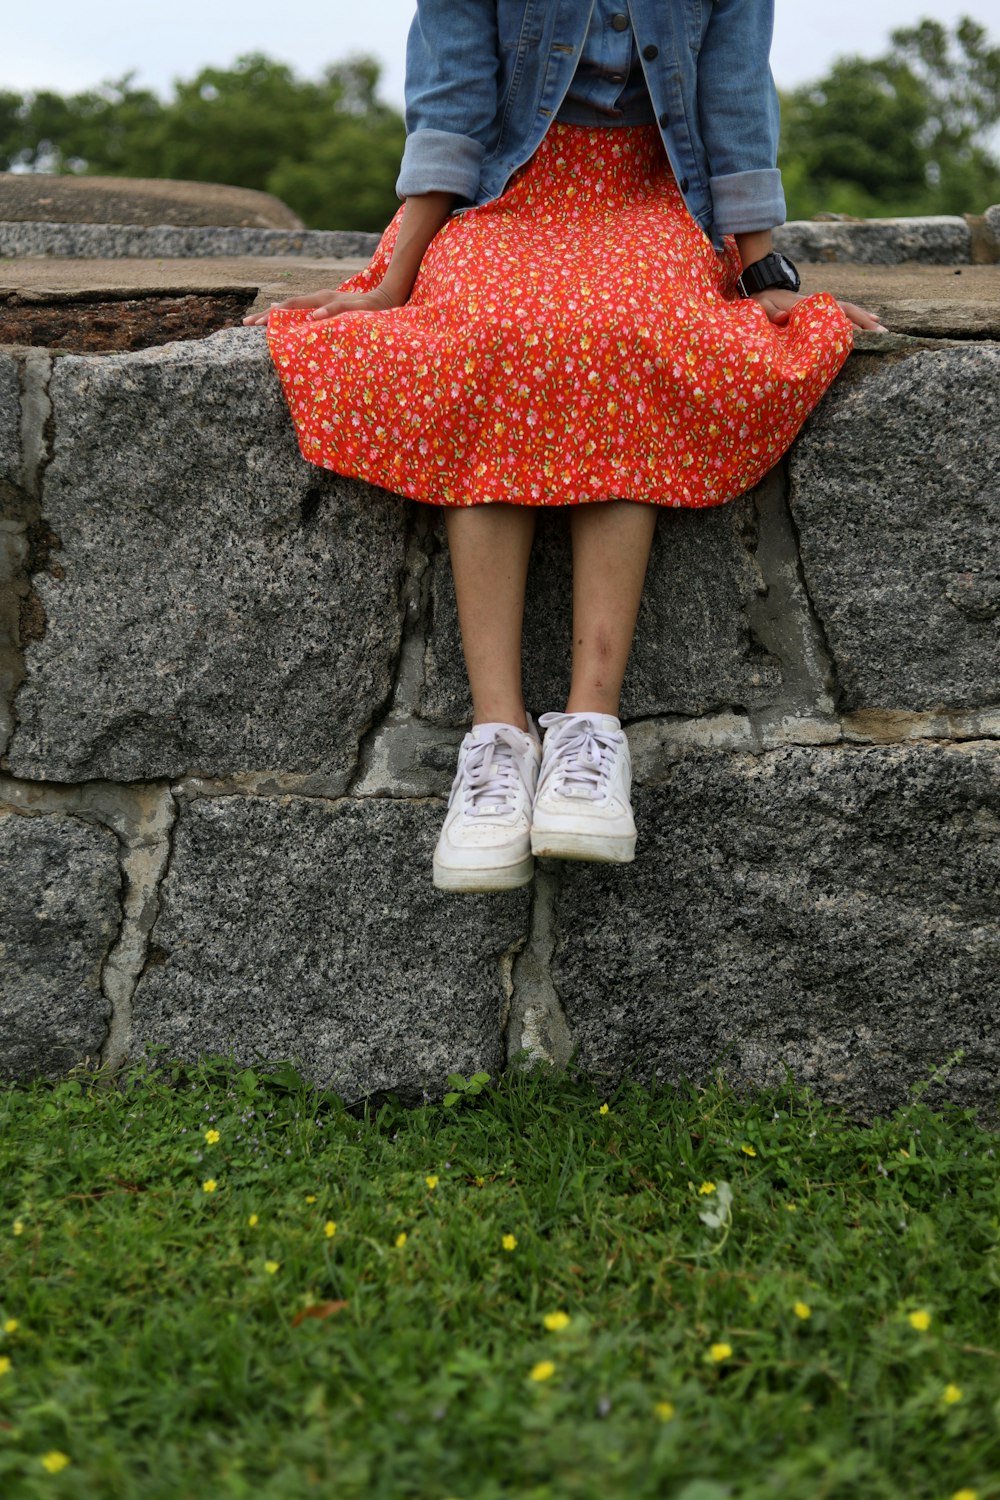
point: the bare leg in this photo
(611, 543)
(490, 546)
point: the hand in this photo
(777, 302)
(329, 304)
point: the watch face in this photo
(789, 270)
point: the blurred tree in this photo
(906, 133)
(50, 133)
(330, 149)
(10, 127)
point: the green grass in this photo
(174, 1342)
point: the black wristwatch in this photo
(773, 270)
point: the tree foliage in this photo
(905, 133)
(329, 148)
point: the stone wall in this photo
(231, 693)
(937, 240)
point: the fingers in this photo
(330, 308)
(312, 299)
(322, 306)
(775, 312)
(862, 319)
(321, 301)
(778, 306)
(777, 303)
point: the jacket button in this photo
(620, 22)
(650, 52)
(664, 120)
(683, 184)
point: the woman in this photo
(577, 304)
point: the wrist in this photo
(394, 291)
(754, 246)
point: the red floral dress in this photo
(576, 339)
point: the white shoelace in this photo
(489, 777)
(582, 755)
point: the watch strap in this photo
(772, 271)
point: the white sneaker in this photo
(582, 808)
(485, 844)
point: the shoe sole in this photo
(502, 878)
(606, 850)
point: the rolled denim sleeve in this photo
(451, 96)
(740, 116)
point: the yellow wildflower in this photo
(253, 1220)
(4, 1364)
(431, 1182)
(18, 1226)
(401, 1239)
(748, 1150)
(965, 1495)
(793, 1208)
(11, 1325)
(272, 1267)
(310, 1197)
(802, 1310)
(664, 1410)
(920, 1320)
(951, 1394)
(719, 1352)
(330, 1229)
(603, 1109)
(54, 1462)
(479, 1181)
(554, 1321)
(212, 1137)
(209, 1185)
(509, 1242)
(544, 1370)
(707, 1187)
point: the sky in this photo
(65, 45)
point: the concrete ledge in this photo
(120, 241)
(942, 241)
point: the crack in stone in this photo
(402, 755)
(536, 1024)
(416, 615)
(506, 963)
(28, 551)
(141, 817)
(25, 540)
(37, 424)
(277, 786)
(144, 865)
(14, 586)
(820, 638)
(784, 619)
(657, 744)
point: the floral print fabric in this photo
(576, 339)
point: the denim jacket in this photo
(485, 78)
